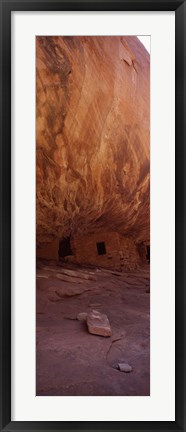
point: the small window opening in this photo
(65, 247)
(101, 248)
(148, 254)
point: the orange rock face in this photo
(92, 130)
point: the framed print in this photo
(92, 215)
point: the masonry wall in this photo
(129, 256)
(50, 251)
(121, 252)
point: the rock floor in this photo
(72, 362)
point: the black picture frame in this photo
(6, 7)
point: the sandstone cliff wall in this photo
(92, 130)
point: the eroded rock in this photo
(92, 128)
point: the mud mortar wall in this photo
(121, 252)
(129, 256)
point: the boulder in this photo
(98, 324)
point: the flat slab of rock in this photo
(77, 274)
(98, 324)
(125, 367)
(69, 279)
(42, 276)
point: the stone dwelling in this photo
(101, 249)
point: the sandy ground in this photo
(71, 361)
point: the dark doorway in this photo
(148, 254)
(101, 248)
(65, 247)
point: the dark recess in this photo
(65, 247)
(148, 254)
(101, 248)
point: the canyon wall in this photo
(48, 251)
(92, 137)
